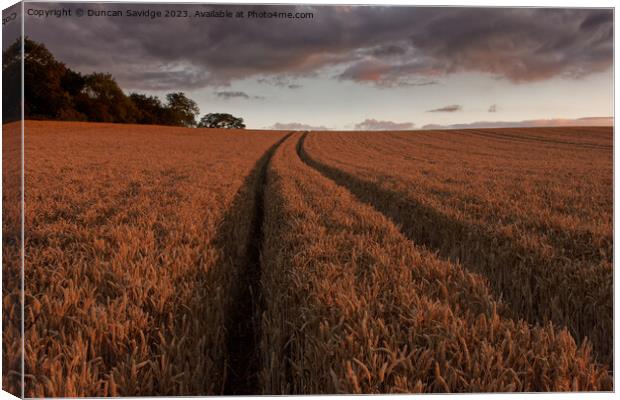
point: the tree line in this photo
(52, 91)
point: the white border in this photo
(470, 3)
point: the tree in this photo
(102, 100)
(221, 120)
(72, 84)
(181, 110)
(150, 110)
(44, 94)
(55, 92)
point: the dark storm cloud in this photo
(389, 50)
(519, 44)
(382, 74)
(382, 45)
(448, 109)
(375, 125)
(596, 19)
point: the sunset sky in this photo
(355, 67)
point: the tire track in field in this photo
(244, 326)
(526, 289)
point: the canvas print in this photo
(228, 199)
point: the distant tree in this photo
(181, 110)
(221, 120)
(53, 91)
(150, 109)
(44, 94)
(102, 100)
(72, 84)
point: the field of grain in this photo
(353, 306)
(177, 261)
(136, 244)
(530, 209)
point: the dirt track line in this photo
(506, 286)
(244, 326)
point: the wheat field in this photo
(177, 261)
(529, 209)
(135, 242)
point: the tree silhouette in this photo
(103, 100)
(44, 95)
(181, 109)
(149, 109)
(53, 91)
(221, 120)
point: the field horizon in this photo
(315, 131)
(200, 261)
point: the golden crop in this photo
(135, 238)
(530, 209)
(175, 261)
(352, 306)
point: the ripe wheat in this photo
(530, 209)
(135, 241)
(352, 306)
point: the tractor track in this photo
(243, 328)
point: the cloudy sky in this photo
(354, 67)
